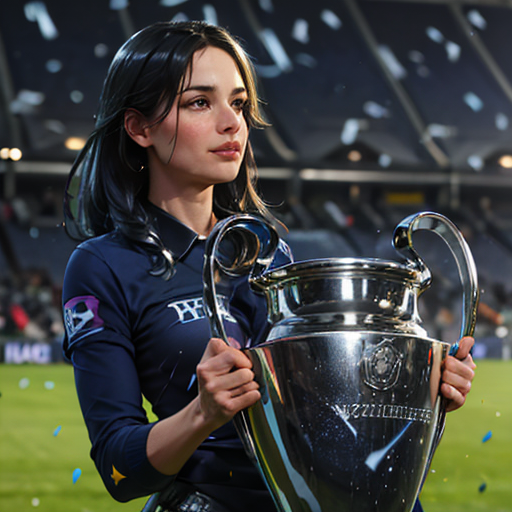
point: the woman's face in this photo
(202, 140)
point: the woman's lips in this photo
(229, 150)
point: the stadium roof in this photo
(418, 88)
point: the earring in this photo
(142, 168)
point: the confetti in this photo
(210, 14)
(501, 122)
(300, 31)
(24, 383)
(473, 101)
(76, 475)
(36, 12)
(487, 437)
(350, 131)
(331, 19)
(168, 3)
(49, 384)
(392, 63)
(477, 163)
(266, 5)
(53, 65)
(57, 431)
(35, 502)
(434, 34)
(476, 19)
(482, 487)
(384, 160)
(375, 110)
(498, 413)
(452, 50)
(118, 5)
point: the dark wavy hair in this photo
(104, 191)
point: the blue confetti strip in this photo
(57, 430)
(76, 475)
(487, 437)
(482, 487)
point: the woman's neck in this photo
(196, 211)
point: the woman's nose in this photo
(229, 119)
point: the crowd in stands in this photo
(30, 306)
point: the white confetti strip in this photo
(210, 14)
(172, 3)
(476, 19)
(385, 160)
(375, 110)
(276, 49)
(392, 63)
(118, 5)
(434, 34)
(266, 5)
(501, 121)
(476, 162)
(300, 31)
(473, 101)
(452, 50)
(330, 19)
(36, 11)
(441, 131)
(350, 131)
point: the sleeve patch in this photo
(81, 316)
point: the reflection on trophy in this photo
(350, 413)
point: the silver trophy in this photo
(350, 413)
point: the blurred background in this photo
(378, 109)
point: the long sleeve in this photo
(99, 346)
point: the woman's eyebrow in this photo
(212, 88)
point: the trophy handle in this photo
(238, 245)
(402, 241)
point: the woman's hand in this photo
(226, 386)
(458, 373)
(226, 383)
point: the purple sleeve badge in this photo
(81, 316)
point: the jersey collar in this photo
(177, 237)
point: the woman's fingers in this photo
(455, 398)
(465, 346)
(458, 374)
(220, 356)
(226, 382)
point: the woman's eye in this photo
(200, 103)
(241, 103)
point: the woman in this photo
(169, 156)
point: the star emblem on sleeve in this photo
(116, 476)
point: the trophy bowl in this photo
(350, 413)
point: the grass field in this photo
(38, 459)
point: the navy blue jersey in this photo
(132, 334)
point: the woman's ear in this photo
(137, 127)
